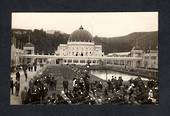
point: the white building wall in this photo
(150, 60)
(16, 56)
(80, 50)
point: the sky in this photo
(103, 24)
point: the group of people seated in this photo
(133, 91)
(43, 90)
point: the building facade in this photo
(16, 52)
(147, 59)
(29, 49)
(80, 49)
(150, 59)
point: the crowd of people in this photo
(16, 84)
(43, 90)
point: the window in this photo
(94, 61)
(28, 51)
(77, 54)
(82, 61)
(89, 61)
(75, 61)
(69, 61)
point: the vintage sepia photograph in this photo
(91, 58)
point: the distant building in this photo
(150, 59)
(80, 49)
(29, 50)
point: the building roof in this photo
(81, 35)
(29, 45)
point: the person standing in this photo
(24, 95)
(29, 67)
(17, 75)
(31, 84)
(26, 76)
(12, 85)
(25, 71)
(17, 87)
(24, 67)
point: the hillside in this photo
(144, 40)
(48, 42)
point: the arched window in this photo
(70, 60)
(77, 54)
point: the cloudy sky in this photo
(106, 24)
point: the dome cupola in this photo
(80, 35)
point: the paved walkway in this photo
(16, 100)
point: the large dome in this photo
(81, 35)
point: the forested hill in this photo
(49, 42)
(145, 40)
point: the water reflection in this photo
(102, 74)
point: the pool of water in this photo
(102, 74)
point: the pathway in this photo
(16, 100)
